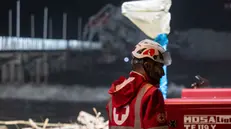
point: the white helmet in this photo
(153, 50)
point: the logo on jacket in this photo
(120, 115)
(161, 117)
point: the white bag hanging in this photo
(151, 16)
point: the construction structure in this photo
(32, 60)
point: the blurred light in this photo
(162, 39)
(126, 59)
(227, 6)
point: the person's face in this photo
(154, 69)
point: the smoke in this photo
(75, 93)
(174, 91)
(55, 92)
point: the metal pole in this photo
(45, 55)
(18, 19)
(45, 22)
(64, 25)
(10, 23)
(32, 23)
(50, 28)
(19, 67)
(45, 19)
(80, 38)
(65, 37)
(79, 28)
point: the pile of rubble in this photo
(84, 121)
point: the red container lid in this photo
(206, 93)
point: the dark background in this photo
(185, 14)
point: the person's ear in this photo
(147, 65)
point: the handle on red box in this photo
(202, 82)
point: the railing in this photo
(15, 43)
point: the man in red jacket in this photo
(136, 102)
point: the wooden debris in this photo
(3, 127)
(86, 120)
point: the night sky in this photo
(185, 14)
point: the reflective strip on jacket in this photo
(137, 119)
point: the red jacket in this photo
(135, 104)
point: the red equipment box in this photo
(200, 109)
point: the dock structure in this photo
(30, 60)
